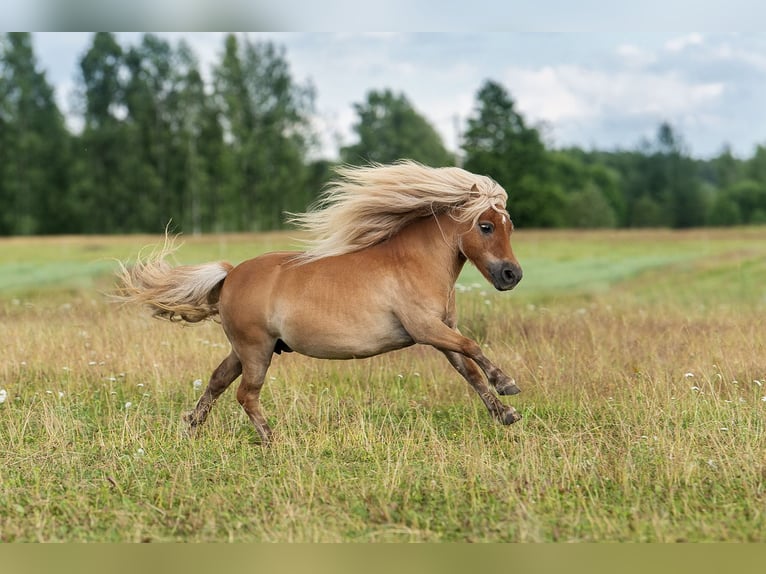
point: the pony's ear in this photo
(475, 188)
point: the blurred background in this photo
(123, 132)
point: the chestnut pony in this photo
(390, 242)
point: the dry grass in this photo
(643, 410)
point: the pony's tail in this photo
(186, 293)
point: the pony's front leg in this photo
(506, 414)
(465, 355)
(443, 338)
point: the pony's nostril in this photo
(508, 274)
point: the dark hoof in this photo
(509, 388)
(191, 423)
(510, 416)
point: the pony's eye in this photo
(486, 228)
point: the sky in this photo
(596, 90)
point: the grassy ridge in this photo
(641, 356)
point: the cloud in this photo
(634, 56)
(557, 93)
(752, 58)
(576, 104)
(683, 42)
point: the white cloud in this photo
(634, 56)
(557, 93)
(727, 52)
(683, 42)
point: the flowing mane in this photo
(366, 205)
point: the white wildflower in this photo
(197, 384)
(688, 375)
(128, 405)
(3, 396)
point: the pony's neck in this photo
(434, 241)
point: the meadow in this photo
(641, 356)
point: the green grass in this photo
(641, 356)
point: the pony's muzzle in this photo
(505, 275)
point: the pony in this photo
(389, 242)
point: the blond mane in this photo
(368, 204)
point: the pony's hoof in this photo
(191, 424)
(508, 388)
(189, 418)
(510, 416)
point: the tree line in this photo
(233, 152)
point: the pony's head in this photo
(486, 242)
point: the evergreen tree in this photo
(106, 158)
(34, 145)
(203, 148)
(677, 183)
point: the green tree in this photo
(750, 197)
(498, 143)
(677, 180)
(34, 145)
(202, 145)
(389, 128)
(724, 211)
(723, 170)
(588, 208)
(150, 126)
(267, 126)
(106, 159)
(755, 167)
(591, 190)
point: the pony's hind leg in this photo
(255, 363)
(225, 374)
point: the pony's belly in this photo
(327, 343)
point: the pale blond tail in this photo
(185, 293)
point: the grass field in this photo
(641, 356)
